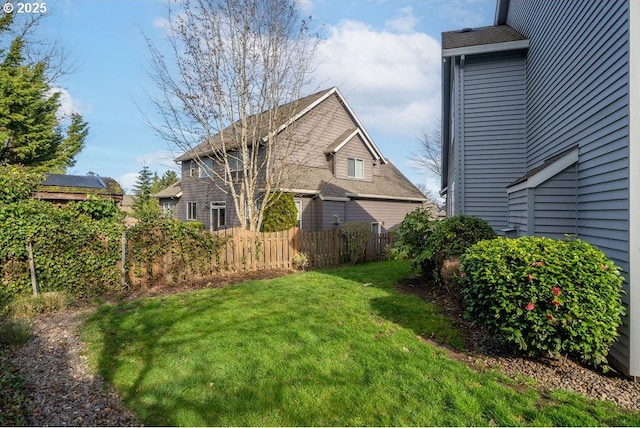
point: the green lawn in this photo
(335, 347)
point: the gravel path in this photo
(61, 390)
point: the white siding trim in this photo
(548, 172)
(634, 189)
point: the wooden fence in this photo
(249, 251)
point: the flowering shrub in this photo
(545, 296)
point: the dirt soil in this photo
(484, 353)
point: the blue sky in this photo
(384, 55)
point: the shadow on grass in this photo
(423, 318)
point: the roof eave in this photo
(486, 48)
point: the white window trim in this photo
(192, 212)
(356, 162)
(299, 213)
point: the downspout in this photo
(460, 135)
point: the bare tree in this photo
(227, 91)
(429, 159)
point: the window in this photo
(218, 215)
(355, 168)
(193, 168)
(206, 168)
(235, 161)
(168, 208)
(191, 211)
(299, 214)
(375, 228)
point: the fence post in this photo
(123, 270)
(32, 270)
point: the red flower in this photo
(550, 317)
(556, 291)
(555, 303)
(530, 306)
(530, 278)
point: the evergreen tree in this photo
(30, 132)
(160, 183)
(145, 206)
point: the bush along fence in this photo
(157, 252)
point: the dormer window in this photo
(355, 168)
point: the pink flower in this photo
(556, 291)
(530, 306)
(530, 278)
(463, 274)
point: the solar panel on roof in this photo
(62, 180)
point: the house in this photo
(62, 188)
(540, 112)
(168, 198)
(337, 175)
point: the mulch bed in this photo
(484, 353)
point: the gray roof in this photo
(479, 36)
(173, 191)
(260, 121)
(389, 184)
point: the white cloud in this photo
(68, 105)
(127, 181)
(405, 23)
(391, 79)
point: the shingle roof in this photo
(287, 112)
(479, 36)
(389, 184)
(173, 191)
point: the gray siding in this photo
(329, 209)
(518, 211)
(494, 129)
(577, 93)
(555, 206)
(388, 214)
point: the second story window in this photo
(206, 168)
(235, 161)
(355, 168)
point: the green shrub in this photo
(357, 236)
(449, 239)
(545, 296)
(411, 235)
(14, 332)
(72, 251)
(280, 214)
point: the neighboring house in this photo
(61, 188)
(539, 115)
(168, 198)
(339, 176)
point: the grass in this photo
(335, 347)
